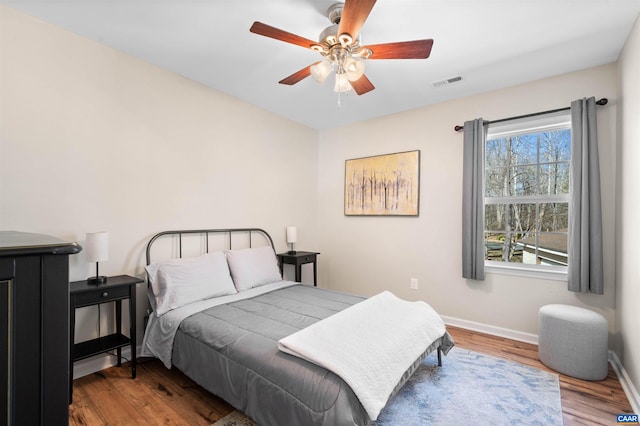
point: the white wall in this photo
(92, 140)
(628, 209)
(366, 255)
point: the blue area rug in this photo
(471, 388)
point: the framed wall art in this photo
(383, 185)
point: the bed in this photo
(223, 315)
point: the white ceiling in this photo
(491, 44)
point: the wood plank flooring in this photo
(167, 397)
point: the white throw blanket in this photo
(369, 345)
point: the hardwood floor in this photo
(167, 397)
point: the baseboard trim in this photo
(99, 362)
(625, 381)
(491, 329)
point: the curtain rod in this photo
(602, 101)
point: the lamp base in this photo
(291, 252)
(97, 280)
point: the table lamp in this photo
(292, 236)
(97, 250)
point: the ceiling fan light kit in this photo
(342, 51)
(347, 68)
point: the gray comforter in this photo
(232, 351)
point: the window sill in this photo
(554, 274)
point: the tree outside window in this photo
(527, 196)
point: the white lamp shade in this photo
(97, 246)
(320, 71)
(292, 234)
(342, 83)
(354, 68)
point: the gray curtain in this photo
(585, 218)
(473, 200)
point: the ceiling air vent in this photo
(445, 82)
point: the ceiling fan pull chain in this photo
(339, 102)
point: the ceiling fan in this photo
(340, 46)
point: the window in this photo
(526, 192)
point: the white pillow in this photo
(178, 282)
(253, 267)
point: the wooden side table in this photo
(116, 289)
(298, 259)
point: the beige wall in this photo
(92, 139)
(628, 209)
(366, 255)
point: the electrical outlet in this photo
(414, 283)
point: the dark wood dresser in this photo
(34, 329)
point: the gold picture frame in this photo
(383, 185)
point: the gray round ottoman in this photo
(573, 341)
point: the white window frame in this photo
(537, 124)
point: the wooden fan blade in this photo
(362, 85)
(354, 14)
(278, 34)
(297, 76)
(417, 49)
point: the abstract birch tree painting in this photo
(383, 185)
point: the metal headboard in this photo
(206, 233)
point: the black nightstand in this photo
(298, 259)
(116, 289)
